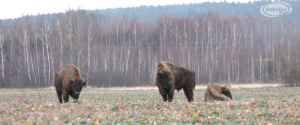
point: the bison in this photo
(170, 77)
(216, 92)
(67, 82)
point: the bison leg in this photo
(164, 97)
(225, 98)
(59, 95)
(66, 97)
(205, 96)
(188, 93)
(218, 95)
(170, 97)
(163, 94)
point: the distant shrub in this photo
(292, 76)
(112, 79)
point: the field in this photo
(265, 105)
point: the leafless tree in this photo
(44, 30)
(23, 37)
(2, 57)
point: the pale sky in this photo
(18, 8)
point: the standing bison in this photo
(67, 82)
(216, 92)
(170, 77)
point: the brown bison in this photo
(170, 77)
(67, 82)
(217, 92)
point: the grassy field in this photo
(268, 105)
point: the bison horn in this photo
(72, 78)
(84, 82)
(228, 86)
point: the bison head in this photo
(226, 92)
(77, 84)
(165, 76)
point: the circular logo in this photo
(276, 9)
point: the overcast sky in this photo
(18, 8)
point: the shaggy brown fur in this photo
(217, 92)
(170, 77)
(67, 82)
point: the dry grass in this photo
(252, 85)
(264, 105)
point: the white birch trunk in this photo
(44, 29)
(60, 34)
(24, 40)
(127, 56)
(2, 59)
(140, 60)
(90, 40)
(52, 65)
(37, 59)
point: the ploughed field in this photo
(267, 105)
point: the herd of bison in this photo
(68, 82)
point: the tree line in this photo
(153, 13)
(126, 51)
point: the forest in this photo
(122, 47)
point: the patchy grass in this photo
(272, 105)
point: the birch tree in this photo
(59, 29)
(23, 37)
(210, 42)
(44, 30)
(252, 60)
(2, 57)
(90, 41)
(140, 62)
(68, 23)
(37, 58)
(79, 44)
